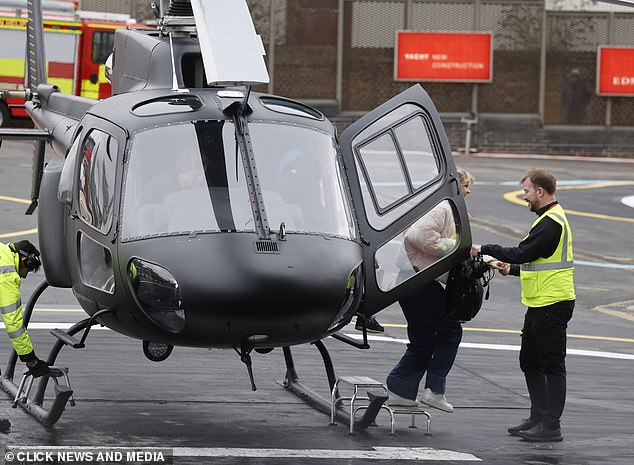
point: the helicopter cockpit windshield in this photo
(190, 177)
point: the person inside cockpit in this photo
(298, 185)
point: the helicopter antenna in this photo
(245, 104)
(175, 87)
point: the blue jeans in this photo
(433, 343)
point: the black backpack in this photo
(465, 290)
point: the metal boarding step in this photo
(24, 389)
(413, 411)
(364, 382)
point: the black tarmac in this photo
(197, 406)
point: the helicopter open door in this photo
(399, 167)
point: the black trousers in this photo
(543, 360)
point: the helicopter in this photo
(189, 210)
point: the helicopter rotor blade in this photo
(36, 56)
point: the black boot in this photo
(5, 426)
(541, 433)
(527, 423)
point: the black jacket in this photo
(542, 241)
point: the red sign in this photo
(443, 56)
(615, 71)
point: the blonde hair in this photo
(466, 178)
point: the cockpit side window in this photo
(98, 155)
(65, 187)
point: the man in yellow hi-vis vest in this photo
(544, 263)
(16, 262)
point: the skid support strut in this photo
(294, 385)
(20, 394)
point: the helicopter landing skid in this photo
(293, 384)
(21, 395)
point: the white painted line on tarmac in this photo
(378, 453)
(55, 325)
(616, 266)
(629, 201)
(513, 348)
(466, 345)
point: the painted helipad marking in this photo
(629, 201)
(14, 199)
(512, 348)
(616, 266)
(58, 310)
(376, 453)
(466, 345)
(513, 197)
(515, 331)
(66, 325)
(19, 233)
(55, 325)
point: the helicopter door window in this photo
(383, 167)
(417, 151)
(397, 163)
(95, 264)
(423, 244)
(96, 179)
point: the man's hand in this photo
(475, 250)
(38, 368)
(503, 268)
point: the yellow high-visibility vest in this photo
(546, 281)
(11, 301)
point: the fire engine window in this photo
(96, 179)
(102, 45)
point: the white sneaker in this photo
(438, 401)
(395, 400)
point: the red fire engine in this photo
(77, 44)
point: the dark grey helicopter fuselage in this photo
(275, 259)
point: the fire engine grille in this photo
(266, 247)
